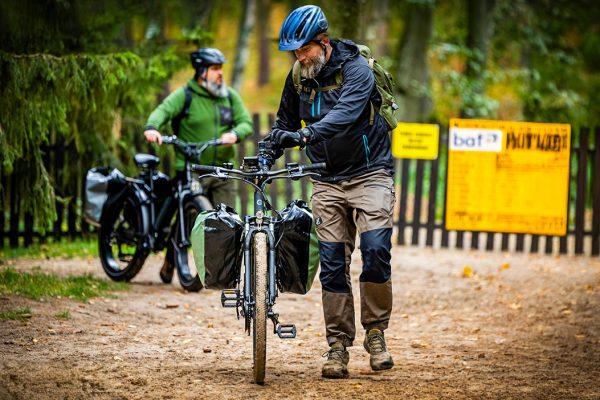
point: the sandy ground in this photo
(521, 327)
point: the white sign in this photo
(475, 139)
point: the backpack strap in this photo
(296, 76)
(185, 111)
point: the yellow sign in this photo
(508, 176)
(416, 141)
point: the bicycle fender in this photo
(142, 200)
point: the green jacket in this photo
(207, 120)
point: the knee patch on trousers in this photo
(375, 246)
(333, 267)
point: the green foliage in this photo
(62, 249)
(37, 285)
(17, 314)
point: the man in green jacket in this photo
(215, 111)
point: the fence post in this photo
(14, 213)
(403, 200)
(2, 217)
(432, 205)
(418, 200)
(596, 194)
(581, 186)
(562, 241)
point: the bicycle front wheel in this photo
(260, 308)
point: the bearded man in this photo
(327, 106)
(205, 109)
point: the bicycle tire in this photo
(122, 232)
(184, 261)
(259, 345)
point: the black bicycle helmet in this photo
(206, 57)
(301, 26)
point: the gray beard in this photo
(312, 70)
(217, 90)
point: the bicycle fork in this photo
(247, 302)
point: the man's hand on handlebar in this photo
(229, 138)
(153, 136)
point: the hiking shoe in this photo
(336, 365)
(375, 344)
(166, 272)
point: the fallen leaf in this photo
(357, 385)
(207, 350)
(210, 326)
(420, 344)
(186, 341)
(404, 316)
(117, 358)
(579, 337)
(171, 305)
(515, 306)
(567, 312)
(505, 266)
(467, 271)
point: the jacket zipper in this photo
(367, 150)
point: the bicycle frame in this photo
(182, 189)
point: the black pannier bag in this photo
(297, 248)
(217, 245)
(99, 183)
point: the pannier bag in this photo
(217, 245)
(99, 182)
(297, 249)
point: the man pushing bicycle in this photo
(335, 95)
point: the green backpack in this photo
(383, 80)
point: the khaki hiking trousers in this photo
(364, 203)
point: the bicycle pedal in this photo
(286, 331)
(230, 298)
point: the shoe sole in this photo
(336, 376)
(383, 366)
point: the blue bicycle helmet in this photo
(301, 26)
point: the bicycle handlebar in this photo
(190, 150)
(292, 171)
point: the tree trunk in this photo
(413, 69)
(241, 55)
(262, 30)
(480, 30)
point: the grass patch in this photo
(63, 315)
(37, 285)
(62, 249)
(18, 314)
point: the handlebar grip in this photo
(316, 166)
(204, 168)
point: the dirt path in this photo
(520, 327)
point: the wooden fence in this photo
(418, 221)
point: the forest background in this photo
(89, 73)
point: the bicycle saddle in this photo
(146, 160)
